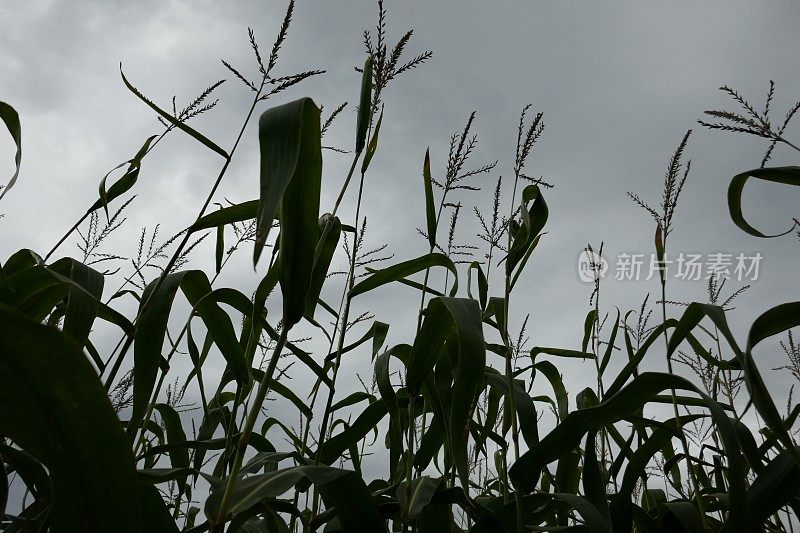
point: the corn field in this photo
(474, 428)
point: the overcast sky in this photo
(619, 83)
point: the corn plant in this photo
(109, 437)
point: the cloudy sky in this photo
(619, 83)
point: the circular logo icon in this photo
(591, 266)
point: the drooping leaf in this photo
(179, 457)
(364, 106)
(82, 305)
(550, 371)
(11, 119)
(430, 210)
(352, 399)
(291, 172)
(369, 418)
(56, 409)
(784, 175)
(483, 284)
(372, 146)
(456, 321)
(526, 410)
(534, 216)
(414, 498)
(330, 231)
(125, 182)
(404, 269)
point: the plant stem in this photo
(342, 324)
(512, 400)
(679, 425)
(247, 430)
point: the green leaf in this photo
(219, 251)
(154, 313)
(554, 377)
(31, 471)
(621, 503)
(430, 210)
(406, 268)
(592, 517)
(151, 330)
(526, 410)
(330, 231)
(659, 245)
(534, 217)
(35, 289)
(163, 475)
(364, 105)
(389, 398)
(409, 283)
(125, 182)
(631, 367)
(772, 322)
(437, 327)
(204, 301)
(172, 120)
(11, 120)
(154, 511)
(568, 475)
(227, 215)
(687, 514)
(83, 301)
(483, 284)
(352, 399)
(333, 448)
(775, 486)
(286, 392)
(785, 175)
(56, 409)
(291, 173)
(413, 501)
(588, 327)
(267, 460)
(610, 346)
(630, 399)
(458, 322)
(343, 489)
(561, 352)
(594, 488)
(373, 145)
(203, 445)
(179, 457)
(302, 355)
